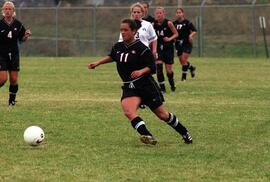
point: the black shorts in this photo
(185, 47)
(147, 89)
(9, 62)
(166, 55)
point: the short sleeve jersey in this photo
(10, 36)
(146, 33)
(131, 57)
(163, 30)
(184, 28)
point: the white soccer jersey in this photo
(146, 33)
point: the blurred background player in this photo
(135, 65)
(12, 33)
(166, 33)
(147, 16)
(183, 44)
(146, 32)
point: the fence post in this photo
(201, 29)
(199, 24)
(56, 29)
(263, 26)
(94, 43)
(254, 47)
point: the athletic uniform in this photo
(184, 28)
(165, 50)
(129, 58)
(10, 37)
(182, 44)
(146, 33)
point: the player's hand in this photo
(166, 39)
(155, 54)
(190, 38)
(136, 74)
(28, 33)
(92, 65)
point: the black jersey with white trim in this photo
(163, 30)
(10, 36)
(131, 57)
(184, 28)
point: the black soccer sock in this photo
(160, 76)
(13, 89)
(190, 66)
(175, 123)
(171, 80)
(138, 124)
(184, 72)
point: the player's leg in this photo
(169, 61)
(3, 77)
(174, 122)
(13, 87)
(169, 70)
(130, 106)
(192, 69)
(160, 75)
(3, 70)
(183, 60)
(187, 50)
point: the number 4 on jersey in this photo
(9, 34)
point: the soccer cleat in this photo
(11, 102)
(192, 71)
(187, 138)
(173, 89)
(147, 139)
(142, 106)
(162, 88)
(183, 79)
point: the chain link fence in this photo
(223, 30)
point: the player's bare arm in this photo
(104, 60)
(174, 31)
(138, 73)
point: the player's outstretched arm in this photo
(104, 60)
(27, 34)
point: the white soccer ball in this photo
(33, 135)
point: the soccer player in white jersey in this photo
(146, 32)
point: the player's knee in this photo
(163, 116)
(129, 114)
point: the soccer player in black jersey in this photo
(147, 17)
(166, 33)
(183, 44)
(12, 32)
(135, 65)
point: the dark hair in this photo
(131, 23)
(145, 2)
(181, 9)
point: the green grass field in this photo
(226, 108)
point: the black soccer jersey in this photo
(149, 18)
(10, 35)
(184, 28)
(163, 30)
(131, 57)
